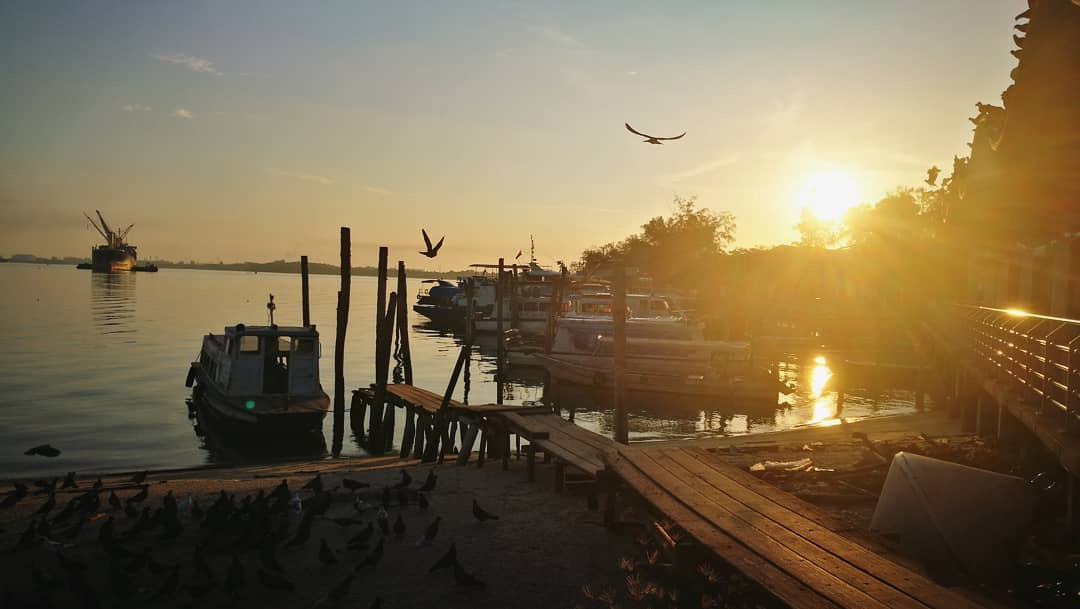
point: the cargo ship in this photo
(115, 255)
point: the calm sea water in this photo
(95, 365)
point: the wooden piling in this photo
(618, 316)
(500, 355)
(381, 414)
(304, 297)
(375, 412)
(403, 323)
(339, 343)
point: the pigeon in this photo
(360, 505)
(431, 252)
(372, 558)
(275, 582)
(139, 477)
(303, 531)
(44, 450)
(339, 591)
(464, 578)
(168, 587)
(384, 521)
(399, 526)
(130, 511)
(406, 480)
(360, 540)
(140, 496)
(45, 486)
(198, 591)
(423, 501)
(200, 565)
(114, 502)
(196, 511)
(429, 482)
(315, 484)
(354, 485)
(10, 501)
(234, 578)
(649, 139)
(480, 513)
(46, 507)
(326, 555)
(430, 533)
(69, 481)
(268, 559)
(448, 560)
(98, 484)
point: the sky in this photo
(254, 130)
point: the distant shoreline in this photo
(278, 266)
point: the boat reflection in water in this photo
(112, 303)
(224, 446)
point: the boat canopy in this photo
(296, 331)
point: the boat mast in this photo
(96, 227)
(532, 250)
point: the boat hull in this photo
(441, 315)
(263, 414)
(111, 260)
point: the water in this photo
(95, 365)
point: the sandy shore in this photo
(539, 553)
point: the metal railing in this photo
(1041, 353)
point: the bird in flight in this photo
(431, 251)
(651, 139)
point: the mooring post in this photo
(470, 294)
(375, 412)
(383, 345)
(386, 429)
(304, 297)
(403, 323)
(339, 343)
(442, 417)
(500, 293)
(618, 316)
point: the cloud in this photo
(182, 113)
(136, 108)
(557, 36)
(305, 177)
(703, 168)
(196, 64)
(379, 190)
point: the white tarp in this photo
(956, 520)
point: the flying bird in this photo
(649, 139)
(431, 251)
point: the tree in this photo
(816, 232)
(669, 248)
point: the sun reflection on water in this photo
(824, 413)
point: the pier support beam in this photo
(305, 300)
(339, 343)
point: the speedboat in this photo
(261, 379)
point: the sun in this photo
(828, 194)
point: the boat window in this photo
(249, 344)
(659, 305)
(305, 346)
(284, 344)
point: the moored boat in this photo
(261, 379)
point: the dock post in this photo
(375, 413)
(403, 323)
(381, 413)
(339, 343)
(500, 292)
(618, 316)
(304, 297)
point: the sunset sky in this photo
(252, 131)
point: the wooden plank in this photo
(905, 580)
(775, 582)
(817, 567)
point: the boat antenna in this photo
(532, 250)
(270, 306)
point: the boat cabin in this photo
(253, 360)
(600, 304)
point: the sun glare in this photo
(828, 194)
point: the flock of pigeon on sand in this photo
(245, 534)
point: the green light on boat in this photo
(249, 404)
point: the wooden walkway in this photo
(789, 547)
(562, 441)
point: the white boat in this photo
(663, 355)
(261, 379)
